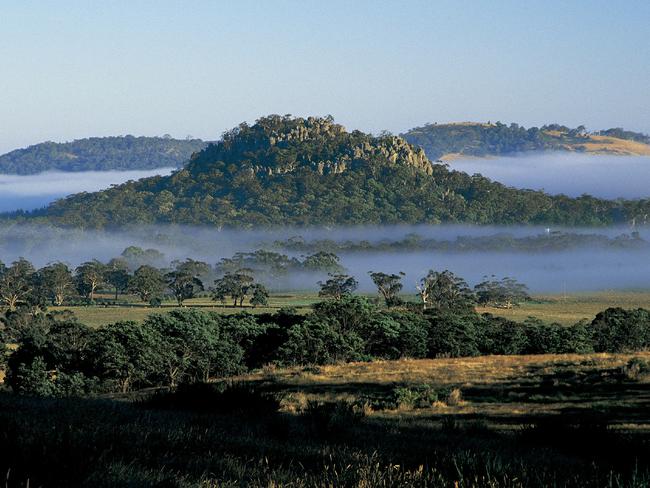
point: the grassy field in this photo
(511, 422)
(128, 308)
(552, 308)
(505, 391)
(573, 307)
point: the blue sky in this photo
(72, 69)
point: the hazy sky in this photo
(72, 69)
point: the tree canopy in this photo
(295, 171)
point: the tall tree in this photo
(89, 276)
(259, 295)
(445, 291)
(17, 284)
(337, 286)
(56, 282)
(147, 282)
(183, 283)
(117, 274)
(388, 285)
(235, 285)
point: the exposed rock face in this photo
(390, 150)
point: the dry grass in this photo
(570, 309)
(504, 390)
(616, 146)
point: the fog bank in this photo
(35, 191)
(578, 269)
(569, 173)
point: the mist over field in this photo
(578, 269)
(572, 174)
(35, 191)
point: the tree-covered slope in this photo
(293, 171)
(447, 141)
(100, 154)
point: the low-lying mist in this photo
(568, 173)
(621, 262)
(35, 191)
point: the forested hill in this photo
(101, 154)
(292, 171)
(449, 141)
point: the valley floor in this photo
(565, 309)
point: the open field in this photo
(506, 391)
(573, 307)
(527, 421)
(130, 309)
(551, 308)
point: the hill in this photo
(294, 171)
(449, 141)
(100, 154)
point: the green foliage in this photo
(388, 285)
(636, 369)
(89, 276)
(625, 134)
(619, 330)
(101, 154)
(236, 285)
(320, 340)
(18, 284)
(294, 171)
(147, 282)
(490, 139)
(421, 396)
(506, 293)
(184, 282)
(443, 290)
(55, 283)
(337, 286)
(452, 334)
(127, 355)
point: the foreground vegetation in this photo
(485, 422)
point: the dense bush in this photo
(57, 356)
(619, 330)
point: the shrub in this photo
(636, 369)
(453, 335)
(422, 396)
(454, 398)
(619, 330)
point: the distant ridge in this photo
(119, 153)
(475, 139)
(312, 172)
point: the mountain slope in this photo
(294, 171)
(100, 154)
(449, 141)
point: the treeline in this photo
(491, 139)
(547, 242)
(474, 139)
(139, 272)
(101, 154)
(236, 278)
(625, 134)
(291, 171)
(56, 355)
